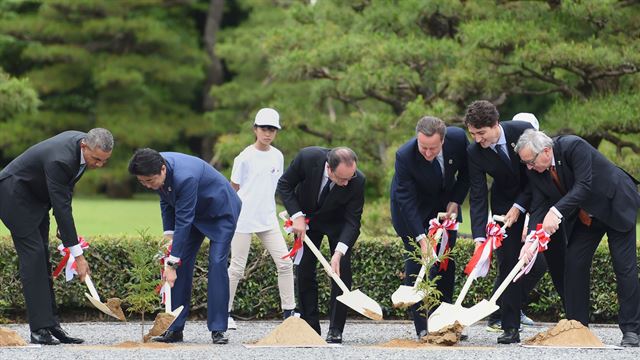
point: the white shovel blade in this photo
(100, 306)
(478, 312)
(447, 314)
(406, 296)
(361, 303)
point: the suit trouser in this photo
(444, 284)
(35, 275)
(273, 241)
(308, 285)
(217, 276)
(581, 248)
(511, 299)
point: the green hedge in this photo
(377, 267)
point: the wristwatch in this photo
(172, 264)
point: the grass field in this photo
(99, 215)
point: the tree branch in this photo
(620, 144)
(396, 105)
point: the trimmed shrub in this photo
(377, 271)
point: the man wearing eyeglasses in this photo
(324, 187)
(492, 154)
(576, 189)
(430, 176)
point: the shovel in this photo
(406, 296)
(164, 320)
(167, 302)
(447, 314)
(355, 299)
(95, 298)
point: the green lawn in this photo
(99, 215)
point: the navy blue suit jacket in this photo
(195, 195)
(591, 182)
(510, 183)
(417, 193)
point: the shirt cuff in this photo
(480, 239)
(168, 232)
(522, 210)
(76, 250)
(555, 211)
(342, 248)
(420, 237)
(297, 215)
(173, 259)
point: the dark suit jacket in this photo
(195, 194)
(591, 182)
(42, 178)
(509, 183)
(417, 193)
(340, 213)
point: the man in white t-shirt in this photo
(255, 175)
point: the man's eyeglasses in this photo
(532, 161)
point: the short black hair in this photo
(339, 155)
(481, 113)
(146, 162)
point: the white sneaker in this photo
(231, 324)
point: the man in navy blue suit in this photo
(431, 176)
(196, 201)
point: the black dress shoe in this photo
(169, 337)
(334, 336)
(62, 335)
(218, 337)
(509, 336)
(43, 337)
(630, 339)
(422, 334)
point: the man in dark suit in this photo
(431, 176)
(576, 188)
(325, 187)
(40, 179)
(492, 154)
(195, 201)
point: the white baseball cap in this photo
(267, 117)
(528, 117)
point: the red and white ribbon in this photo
(68, 262)
(162, 257)
(480, 262)
(446, 226)
(540, 238)
(297, 250)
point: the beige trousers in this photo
(273, 241)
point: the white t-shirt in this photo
(257, 172)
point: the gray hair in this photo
(430, 125)
(535, 140)
(340, 155)
(100, 138)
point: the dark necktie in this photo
(324, 193)
(436, 168)
(503, 155)
(80, 171)
(582, 215)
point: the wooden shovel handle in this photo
(500, 218)
(92, 288)
(167, 297)
(465, 290)
(507, 281)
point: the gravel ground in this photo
(359, 338)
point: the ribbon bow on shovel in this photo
(540, 240)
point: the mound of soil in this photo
(9, 337)
(160, 325)
(114, 305)
(447, 336)
(570, 333)
(292, 331)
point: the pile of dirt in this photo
(9, 337)
(133, 345)
(114, 305)
(160, 325)
(447, 336)
(293, 331)
(570, 333)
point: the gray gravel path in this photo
(359, 336)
